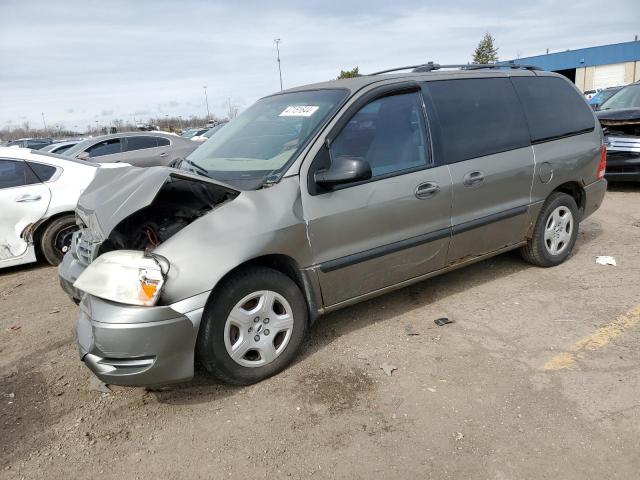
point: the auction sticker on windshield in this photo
(299, 111)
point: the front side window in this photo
(106, 147)
(140, 143)
(15, 173)
(389, 133)
(262, 141)
(476, 117)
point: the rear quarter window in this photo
(42, 171)
(475, 117)
(553, 108)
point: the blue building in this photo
(593, 67)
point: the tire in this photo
(235, 319)
(56, 238)
(553, 226)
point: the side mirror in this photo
(83, 156)
(343, 170)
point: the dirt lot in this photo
(539, 377)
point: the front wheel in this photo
(252, 326)
(555, 232)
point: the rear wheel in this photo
(555, 232)
(56, 238)
(252, 327)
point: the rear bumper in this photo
(594, 194)
(147, 346)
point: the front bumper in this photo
(68, 272)
(136, 346)
(594, 195)
(623, 166)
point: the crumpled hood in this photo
(116, 193)
(617, 116)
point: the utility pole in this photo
(44, 123)
(277, 42)
(206, 99)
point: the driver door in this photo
(380, 232)
(25, 200)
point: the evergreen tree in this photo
(486, 52)
(349, 73)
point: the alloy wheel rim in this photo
(258, 328)
(558, 230)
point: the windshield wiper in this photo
(198, 168)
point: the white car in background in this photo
(38, 196)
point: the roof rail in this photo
(430, 66)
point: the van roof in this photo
(356, 83)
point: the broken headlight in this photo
(125, 276)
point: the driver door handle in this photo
(426, 190)
(28, 198)
(473, 178)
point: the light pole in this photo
(206, 99)
(44, 123)
(277, 42)
(180, 120)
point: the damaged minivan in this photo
(319, 197)
(620, 120)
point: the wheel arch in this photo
(574, 190)
(305, 279)
(41, 226)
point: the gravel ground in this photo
(537, 378)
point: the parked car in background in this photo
(60, 147)
(193, 132)
(143, 149)
(317, 198)
(38, 195)
(208, 134)
(588, 94)
(602, 96)
(620, 119)
(31, 143)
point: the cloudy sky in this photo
(82, 61)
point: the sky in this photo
(79, 62)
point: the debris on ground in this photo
(57, 310)
(458, 436)
(98, 385)
(442, 321)
(408, 329)
(13, 328)
(388, 368)
(606, 260)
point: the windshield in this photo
(78, 147)
(261, 141)
(628, 97)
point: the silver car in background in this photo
(142, 149)
(319, 197)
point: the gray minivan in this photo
(319, 197)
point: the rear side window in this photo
(42, 171)
(553, 108)
(16, 173)
(106, 147)
(140, 143)
(476, 117)
(163, 142)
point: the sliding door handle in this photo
(473, 178)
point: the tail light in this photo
(602, 166)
